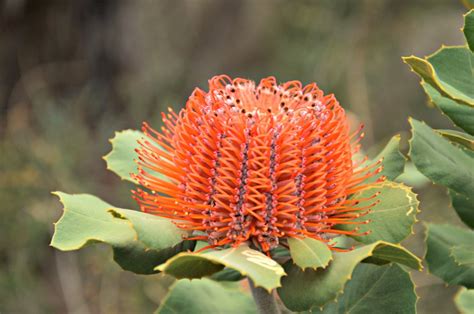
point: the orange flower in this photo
(254, 163)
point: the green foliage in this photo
(458, 137)
(393, 161)
(465, 301)
(446, 157)
(263, 271)
(227, 274)
(449, 70)
(463, 254)
(121, 158)
(309, 253)
(303, 290)
(464, 206)
(441, 252)
(140, 241)
(460, 114)
(206, 296)
(469, 29)
(375, 289)
(440, 160)
(390, 220)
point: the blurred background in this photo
(73, 72)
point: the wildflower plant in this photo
(260, 181)
(446, 157)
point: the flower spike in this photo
(258, 163)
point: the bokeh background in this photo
(73, 72)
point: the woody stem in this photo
(266, 302)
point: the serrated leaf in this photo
(461, 115)
(464, 301)
(392, 218)
(449, 70)
(139, 240)
(206, 296)
(121, 159)
(393, 160)
(262, 270)
(460, 138)
(463, 255)
(439, 160)
(469, 27)
(440, 240)
(454, 67)
(309, 253)
(464, 206)
(303, 290)
(375, 289)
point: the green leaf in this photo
(464, 301)
(440, 240)
(227, 274)
(303, 290)
(469, 27)
(439, 160)
(464, 206)
(449, 70)
(412, 177)
(263, 271)
(463, 255)
(121, 158)
(139, 240)
(393, 160)
(454, 67)
(392, 218)
(376, 289)
(206, 296)
(457, 137)
(309, 253)
(461, 115)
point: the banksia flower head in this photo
(257, 163)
